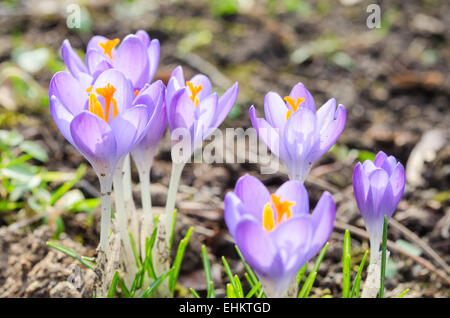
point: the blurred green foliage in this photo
(25, 185)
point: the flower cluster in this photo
(108, 107)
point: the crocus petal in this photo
(178, 75)
(172, 97)
(62, 117)
(253, 194)
(94, 43)
(97, 62)
(204, 81)
(332, 130)
(293, 239)
(131, 59)
(361, 187)
(300, 90)
(234, 211)
(67, 89)
(153, 52)
(301, 140)
(94, 138)
(379, 180)
(143, 36)
(275, 110)
(295, 191)
(268, 134)
(258, 249)
(204, 116)
(379, 159)
(323, 217)
(73, 62)
(124, 93)
(129, 127)
(226, 103)
(397, 181)
(183, 111)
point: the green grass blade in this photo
(123, 287)
(71, 253)
(357, 281)
(403, 293)
(228, 271)
(137, 257)
(307, 286)
(230, 291)
(179, 259)
(208, 275)
(211, 291)
(149, 291)
(253, 290)
(301, 273)
(194, 293)
(310, 279)
(247, 267)
(239, 290)
(346, 260)
(383, 258)
(113, 286)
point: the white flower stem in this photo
(105, 223)
(121, 218)
(130, 208)
(147, 224)
(177, 169)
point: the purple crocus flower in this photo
(192, 106)
(295, 132)
(137, 57)
(378, 188)
(275, 232)
(103, 124)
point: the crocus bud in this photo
(275, 232)
(378, 188)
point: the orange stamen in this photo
(107, 93)
(95, 107)
(89, 89)
(295, 104)
(268, 220)
(136, 92)
(194, 91)
(108, 46)
(282, 212)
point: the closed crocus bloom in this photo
(137, 57)
(192, 106)
(145, 150)
(104, 124)
(275, 232)
(378, 188)
(295, 132)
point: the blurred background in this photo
(393, 81)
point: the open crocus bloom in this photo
(295, 132)
(192, 106)
(378, 188)
(275, 232)
(105, 123)
(137, 57)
